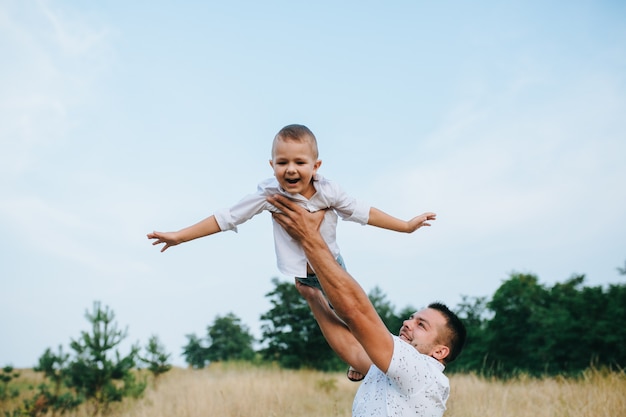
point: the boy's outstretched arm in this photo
(203, 228)
(383, 220)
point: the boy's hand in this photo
(169, 238)
(421, 220)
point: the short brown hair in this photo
(297, 133)
(455, 329)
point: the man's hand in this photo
(297, 221)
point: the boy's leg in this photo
(311, 279)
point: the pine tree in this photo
(97, 372)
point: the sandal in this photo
(354, 375)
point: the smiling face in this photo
(425, 330)
(295, 163)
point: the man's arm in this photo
(349, 300)
(383, 220)
(335, 331)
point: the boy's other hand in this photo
(169, 238)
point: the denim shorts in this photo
(311, 279)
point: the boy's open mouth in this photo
(292, 181)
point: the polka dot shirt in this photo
(413, 386)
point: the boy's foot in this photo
(354, 375)
(311, 281)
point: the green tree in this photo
(6, 376)
(156, 357)
(291, 334)
(473, 312)
(511, 334)
(56, 398)
(97, 372)
(531, 328)
(558, 325)
(385, 309)
(229, 339)
(194, 352)
(602, 326)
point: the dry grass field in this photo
(236, 390)
(597, 394)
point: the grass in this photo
(595, 394)
(243, 390)
(227, 390)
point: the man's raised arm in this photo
(345, 294)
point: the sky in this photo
(119, 118)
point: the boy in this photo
(295, 163)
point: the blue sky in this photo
(119, 118)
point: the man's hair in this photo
(296, 133)
(456, 332)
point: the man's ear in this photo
(440, 352)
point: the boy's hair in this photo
(456, 332)
(296, 133)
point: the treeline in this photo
(531, 328)
(290, 334)
(525, 328)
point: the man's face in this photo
(423, 329)
(294, 165)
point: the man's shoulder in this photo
(403, 349)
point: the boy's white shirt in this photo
(290, 257)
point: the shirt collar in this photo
(436, 363)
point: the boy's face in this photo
(294, 165)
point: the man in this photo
(404, 374)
